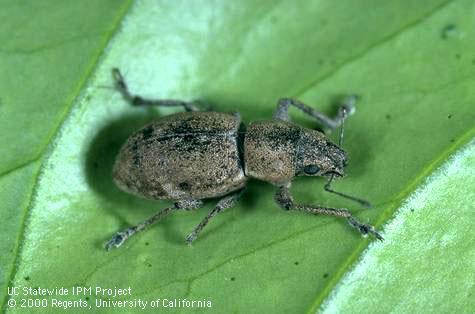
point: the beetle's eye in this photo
(311, 169)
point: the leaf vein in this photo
(70, 103)
(372, 47)
(48, 46)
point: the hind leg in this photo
(139, 101)
(120, 237)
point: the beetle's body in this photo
(197, 155)
(190, 156)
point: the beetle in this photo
(194, 155)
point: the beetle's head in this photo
(318, 156)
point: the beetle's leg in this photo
(120, 237)
(284, 198)
(347, 108)
(225, 202)
(139, 101)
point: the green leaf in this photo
(425, 262)
(47, 53)
(410, 63)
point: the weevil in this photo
(194, 155)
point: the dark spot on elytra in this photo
(189, 137)
(147, 132)
(146, 243)
(27, 278)
(388, 117)
(458, 56)
(325, 275)
(296, 263)
(86, 298)
(232, 278)
(136, 160)
(128, 185)
(135, 153)
(452, 140)
(184, 186)
(449, 116)
(184, 127)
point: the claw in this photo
(190, 238)
(378, 235)
(119, 79)
(364, 229)
(117, 240)
(116, 74)
(348, 107)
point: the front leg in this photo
(346, 108)
(285, 200)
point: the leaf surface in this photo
(48, 51)
(410, 63)
(428, 252)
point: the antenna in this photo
(343, 114)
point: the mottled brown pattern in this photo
(269, 151)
